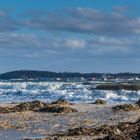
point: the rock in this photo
(113, 136)
(122, 131)
(30, 106)
(61, 102)
(100, 102)
(126, 107)
(39, 106)
(80, 131)
(4, 110)
(25, 106)
(134, 87)
(58, 109)
(138, 102)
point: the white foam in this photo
(50, 91)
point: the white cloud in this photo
(86, 20)
(33, 45)
(75, 43)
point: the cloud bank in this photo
(75, 33)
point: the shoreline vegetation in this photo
(34, 74)
(61, 120)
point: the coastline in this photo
(33, 125)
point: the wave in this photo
(72, 91)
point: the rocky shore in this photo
(62, 120)
(122, 86)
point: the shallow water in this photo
(72, 91)
(39, 125)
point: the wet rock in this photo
(80, 131)
(100, 102)
(4, 110)
(39, 106)
(122, 131)
(58, 109)
(61, 102)
(138, 102)
(25, 106)
(113, 136)
(30, 106)
(126, 107)
(134, 87)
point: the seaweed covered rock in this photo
(80, 131)
(100, 102)
(122, 131)
(38, 106)
(25, 106)
(4, 110)
(58, 109)
(126, 107)
(113, 136)
(30, 106)
(61, 102)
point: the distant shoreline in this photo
(32, 74)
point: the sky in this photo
(70, 35)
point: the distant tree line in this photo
(32, 74)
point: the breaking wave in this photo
(71, 91)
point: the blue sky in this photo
(70, 35)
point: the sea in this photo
(73, 91)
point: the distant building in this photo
(104, 77)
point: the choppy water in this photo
(71, 91)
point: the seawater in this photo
(75, 92)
